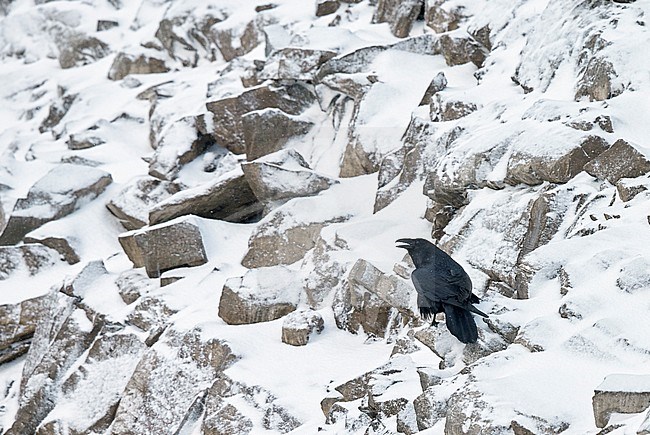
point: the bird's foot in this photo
(434, 323)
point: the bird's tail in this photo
(461, 324)
(475, 310)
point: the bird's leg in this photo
(433, 321)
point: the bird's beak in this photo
(404, 243)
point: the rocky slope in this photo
(200, 201)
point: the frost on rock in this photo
(298, 326)
(261, 295)
(166, 381)
(621, 160)
(17, 326)
(131, 205)
(29, 259)
(292, 63)
(283, 175)
(126, 63)
(620, 393)
(60, 192)
(165, 246)
(267, 131)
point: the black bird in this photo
(443, 286)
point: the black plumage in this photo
(443, 286)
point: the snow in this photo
(627, 383)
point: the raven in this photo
(443, 286)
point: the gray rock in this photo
(228, 112)
(103, 25)
(438, 83)
(261, 295)
(17, 325)
(440, 19)
(131, 205)
(66, 247)
(238, 40)
(596, 81)
(628, 188)
(179, 143)
(61, 337)
(298, 326)
(132, 285)
(450, 109)
(623, 394)
(30, 258)
(171, 374)
(125, 64)
(621, 160)
(57, 194)
(176, 45)
(165, 246)
(267, 131)
(535, 169)
(468, 413)
(283, 175)
(429, 409)
(151, 314)
(400, 15)
(57, 111)
(326, 7)
(327, 270)
(80, 50)
(84, 140)
(228, 198)
(85, 280)
(97, 415)
(295, 63)
(222, 418)
(462, 50)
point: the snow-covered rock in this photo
(60, 192)
(621, 160)
(298, 326)
(126, 63)
(165, 246)
(261, 295)
(620, 393)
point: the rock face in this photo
(166, 381)
(399, 14)
(81, 50)
(298, 326)
(165, 246)
(627, 394)
(57, 194)
(125, 64)
(267, 131)
(17, 325)
(228, 112)
(293, 63)
(283, 175)
(228, 198)
(621, 160)
(262, 295)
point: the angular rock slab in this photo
(30, 258)
(165, 246)
(159, 395)
(131, 205)
(17, 326)
(267, 131)
(228, 198)
(621, 160)
(298, 326)
(81, 50)
(125, 64)
(294, 63)
(283, 175)
(619, 393)
(400, 15)
(261, 295)
(54, 196)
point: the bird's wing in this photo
(433, 286)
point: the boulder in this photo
(294, 63)
(125, 64)
(438, 83)
(234, 39)
(595, 82)
(17, 325)
(29, 258)
(165, 246)
(326, 7)
(620, 393)
(440, 19)
(103, 25)
(450, 109)
(85, 140)
(400, 15)
(461, 50)
(159, 394)
(228, 112)
(628, 188)
(429, 409)
(469, 413)
(621, 160)
(57, 194)
(151, 314)
(176, 44)
(298, 326)
(132, 285)
(132, 204)
(267, 131)
(261, 295)
(57, 111)
(61, 337)
(283, 175)
(530, 169)
(109, 351)
(223, 418)
(80, 50)
(327, 270)
(228, 198)
(179, 143)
